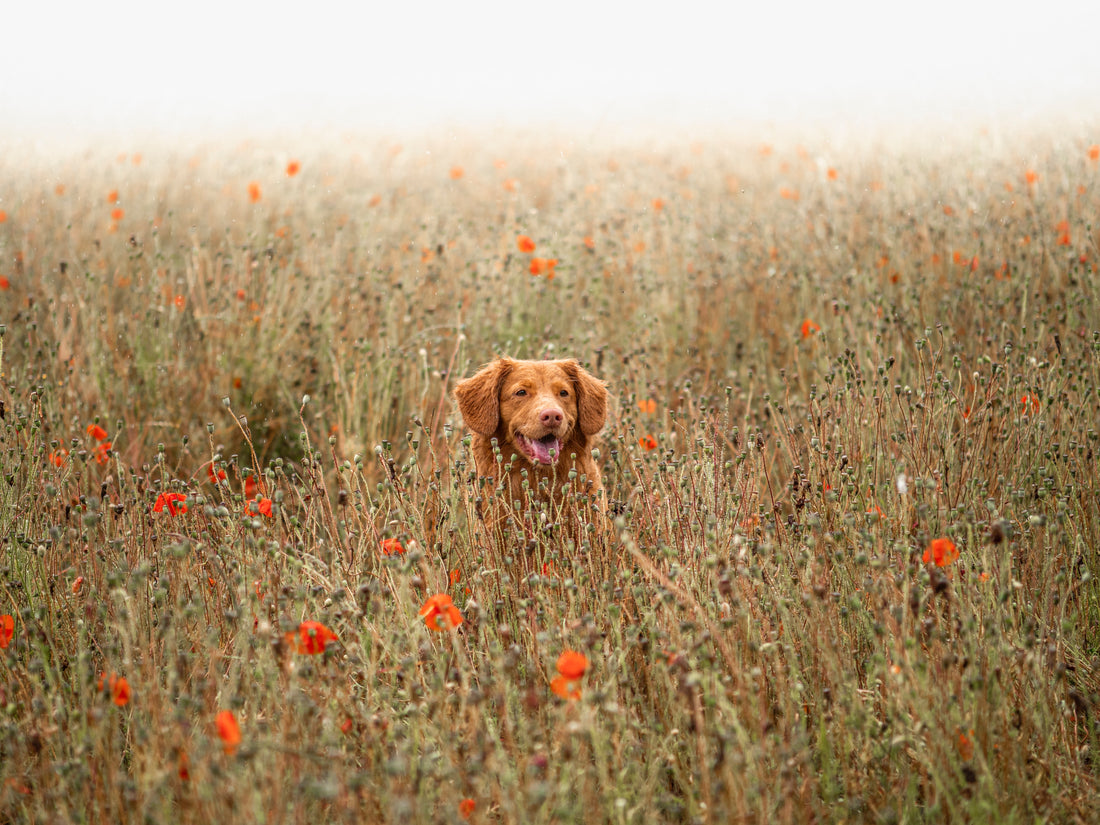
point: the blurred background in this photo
(80, 70)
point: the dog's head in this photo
(542, 408)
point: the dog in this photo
(533, 425)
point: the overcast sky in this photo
(91, 67)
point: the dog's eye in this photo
(521, 392)
(564, 393)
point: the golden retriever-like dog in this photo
(533, 425)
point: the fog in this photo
(81, 69)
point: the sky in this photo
(84, 69)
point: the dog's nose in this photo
(551, 417)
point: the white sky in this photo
(89, 67)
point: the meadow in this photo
(846, 570)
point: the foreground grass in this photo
(822, 364)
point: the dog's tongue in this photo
(543, 450)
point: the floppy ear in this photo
(479, 397)
(591, 398)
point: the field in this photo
(847, 569)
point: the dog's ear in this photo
(479, 397)
(591, 398)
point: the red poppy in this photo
(648, 441)
(7, 629)
(648, 406)
(832, 174)
(112, 196)
(1031, 176)
(312, 638)
(215, 475)
(589, 242)
(572, 665)
(565, 688)
(454, 577)
(457, 172)
(4, 282)
(103, 452)
(117, 214)
(57, 457)
(3, 216)
(810, 328)
(440, 605)
(173, 502)
(260, 506)
(940, 552)
(228, 730)
(1029, 401)
(658, 204)
(120, 691)
(466, 807)
(525, 244)
(1094, 152)
(293, 168)
(544, 266)
(392, 547)
(97, 432)
(254, 193)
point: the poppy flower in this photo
(1094, 152)
(7, 629)
(544, 266)
(293, 168)
(1031, 176)
(457, 172)
(4, 282)
(215, 475)
(648, 442)
(466, 807)
(120, 691)
(173, 502)
(832, 174)
(392, 547)
(810, 328)
(259, 506)
(57, 457)
(112, 196)
(97, 432)
(251, 486)
(571, 667)
(103, 452)
(525, 244)
(647, 405)
(589, 242)
(1029, 401)
(254, 192)
(440, 605)
(941, 552)
(966, 745)
(312, 638)
(3, 216)
(228, 731)
(657, 204)
(79, 583)
(117, 214)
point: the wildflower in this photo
(1094, 152)
(1031, 177)
(440, 605)
(103, 452)
(173, 502)
(454, 577)
(648, 406)
(466, 807)
(97, 432)
(966, 745)
(216, 476)
(254, 193)
(571, 667)
(810, 328)
(346, 726)
(1027, 400)
(648, 442)
(525, 244)
(57, 457)
(392, 547)
(457, 172)
(589, 243)
(259, 506)
(7, 629)
(312, 638)
(658, 204)
(251, 486)
(117, 214)
(293, 168)
(120, 691)
(4, 282)
(228, 731)
(544, 266)
(510, 184)
(941, 552)
(3, 216)
(112, 196)
(832, 174)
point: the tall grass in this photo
(823, 359)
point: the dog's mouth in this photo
(545, 450)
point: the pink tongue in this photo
(542, 450)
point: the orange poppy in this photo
(810, 328)
(466, 807)
(832, 174)
(565, 688)
(3, 216)
(589, 242)
(658, 204)
(57, 458)
(293, 168)
(173, 502)
(648, 405)
(966, 745)
(1031, 176)
(120, 691)
(254, 193)
(7, 629)
(648, 441)
(312, 638)
(117, 214)
(228, 730)
(103, 452)
(97, 432)
(1094, 152)
(457, 172)
(260, 506)
(392, 547)
(941, 552)
(572, 665)
(1027, 400)
(112, 196)
(4, 283)
(215, 475)
(544, 266)
(440, 605)
(525, 244)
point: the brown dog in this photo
(533, 423)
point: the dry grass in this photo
(765, 642)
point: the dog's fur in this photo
(533, 424)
